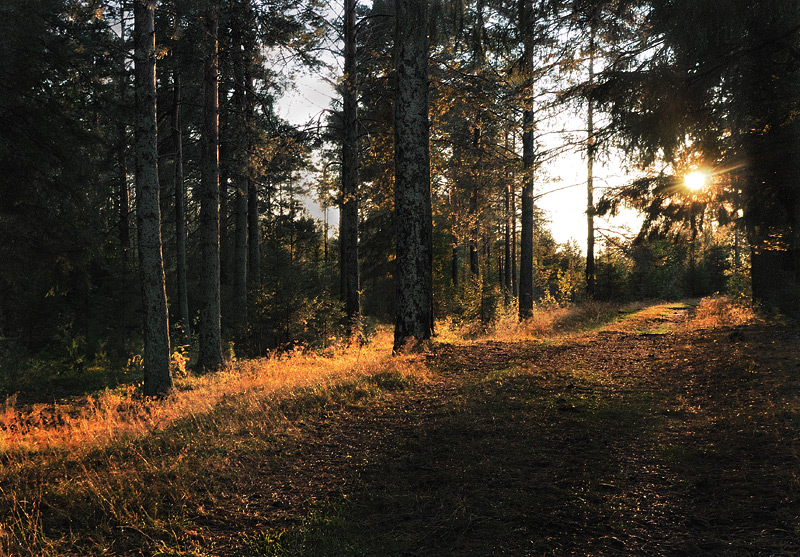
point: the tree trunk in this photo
(253, 229)
(591, 273)
(514, 279)
(240, 204)
(454, 263)
(526, 247)
(413, 214)
(157, 379)
(210, 337)
(507, 251)
(180, 216)
(122, 167)
(474, 265)
(123, 198)
(348, 225)
(224, 173)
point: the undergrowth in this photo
(114, 471)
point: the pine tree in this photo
(413, 214)
(157, 380)
(210, 336)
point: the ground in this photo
(660, 431)
(648, 437)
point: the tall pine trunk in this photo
(210, 336)
(157, 379)
(507, 246)
(240, 203)
(348, 226)
(123, 198)
(122, 167)
(412, 193)
(591, 273)
(253, 229)
(180, 214)
(526, 246)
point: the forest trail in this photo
(650, 436)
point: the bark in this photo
(253, 215)
(514, 279)
(122, 167)
(507, 248)
(526, 246)
(224, 172)
(180, 215)
(348, 225)
(123, 199)
(157, 379)
(474, 266)
(591, 273)
(413, 214)
(210, 337)
(454, 263)
(240, 204)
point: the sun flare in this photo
(696, 180)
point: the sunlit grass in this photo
(100, 418)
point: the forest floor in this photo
(651, 436)
(660, 433)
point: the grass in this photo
(595, 444)
(114, 471)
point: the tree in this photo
(180, 213)
(157, 379)
(526, 240)
(413, 213)
(348, 226)
(210, 336)
(719, 90)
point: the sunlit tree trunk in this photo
(210, 337)
(348, 225)
(180, 214)
(413, 214)
(157, 379)
(526, 246)
(514, 278)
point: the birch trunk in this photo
(413, 215)
(157, 379)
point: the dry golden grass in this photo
(107, 463)
(85, 424)
(719, 311)
(548, 322)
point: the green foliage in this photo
(294, 305)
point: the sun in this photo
(695, 180)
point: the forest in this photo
(189, 278)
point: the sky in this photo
(562, 193)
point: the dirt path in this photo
(644, 438)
